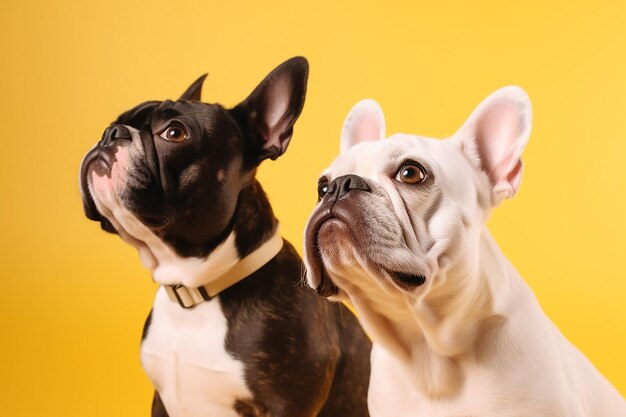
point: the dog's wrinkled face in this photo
(385, 205)
(163, 160)
(397, 216)
(167, 174)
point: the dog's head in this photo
(396, 217)
(166, 175)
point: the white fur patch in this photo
(185, 358)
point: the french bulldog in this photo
(399, 232)
(232, 332)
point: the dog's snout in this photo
(115, 132)
(346, 183)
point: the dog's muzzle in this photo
(103, 154)
(336, 204)
(338, 190)
(101, 160)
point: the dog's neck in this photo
(461, 318)
(255, 221)
(254, 224)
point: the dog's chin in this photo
(90, 209)
(152, 221)
(336, 248)
(327, 239)
(92, 213)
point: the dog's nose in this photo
(346, 183)
(115, 132)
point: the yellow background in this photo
(73, 299)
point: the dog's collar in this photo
(189, 297)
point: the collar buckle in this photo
(187, 297)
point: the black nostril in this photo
(116, 132)
(344, 184)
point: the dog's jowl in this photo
(232, 331)
(399, 231)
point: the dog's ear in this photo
(274, 106)
(194, 91)
(494, 137)
(365, 122)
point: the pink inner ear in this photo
(278, 96)
(367, 129)
(497, 134)
(515, 176)
(364, 123)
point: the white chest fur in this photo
(393, 393)
(184, 356)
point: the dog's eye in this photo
(322, 189)
(411, 174)
(174, 133)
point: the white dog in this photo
(400, 233)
